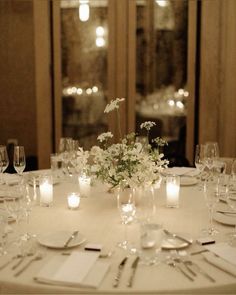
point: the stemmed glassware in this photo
(19, 162)
(199, 160)
(211, 154)
(211, 199)
(4, 161)
(231, 198)
(28, 200)
(65, 148)
(3, 233)
(233, 177)
(127, 209)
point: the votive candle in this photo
(46, 192)
(172, 191)
(73, 201)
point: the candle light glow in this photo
(73, 201)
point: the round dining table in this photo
(98, 221)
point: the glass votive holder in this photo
(73, 201)
(84, 185)
(46, 190)
(172, 190)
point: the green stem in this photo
(118, 120)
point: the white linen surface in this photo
(98, 219)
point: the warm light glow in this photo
(95, 89)
(179, 104)
(100, 41)
(100, 31)
(162, 3)
(84, 11)
(79, 91)
(181, 91)
(89, 91)
(171, 102)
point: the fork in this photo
(172, 263)
(35, 258)
(200, 270)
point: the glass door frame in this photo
(122, 67)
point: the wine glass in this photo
(19, 162)
(211, 199)
(233, 177)
(3, 232)
(4, 161)
(231, 201)
(28, 200)
(65, 148)
(211, 154)
(127, 209)
(199, 160)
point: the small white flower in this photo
(147, 125)
(104, 136)
(114, 104)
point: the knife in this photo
(71, 237)
(177, 236)
(134, 267)
(226, 212)
(120, 269)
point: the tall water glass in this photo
(65, 149)
(231, 201)
(19, 161)
(4, 161)
(28, 200)
(3, 232)
(211, 199)
(233, 177)
(126, 206)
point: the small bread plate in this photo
(225, 218)
(171, 243)
(57, 239)
(188, 180)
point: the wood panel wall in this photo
(217, 120)
(25, 78)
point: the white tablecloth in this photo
(98, 219)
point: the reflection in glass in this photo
(84, 40)
(161, 71)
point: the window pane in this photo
(161, 71)
(84, 41)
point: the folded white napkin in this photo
(80, 269)
(182, 171)
(220, 263)
(224, 251)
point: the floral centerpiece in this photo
(128, 160)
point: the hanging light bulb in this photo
(162, 3)
(84, 10)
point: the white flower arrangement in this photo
(127, 160)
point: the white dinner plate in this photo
(8, 195)
(54, 181)
(57, 239)
(10, 218)
(170, 243)
(188, 180)
(225, 219)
